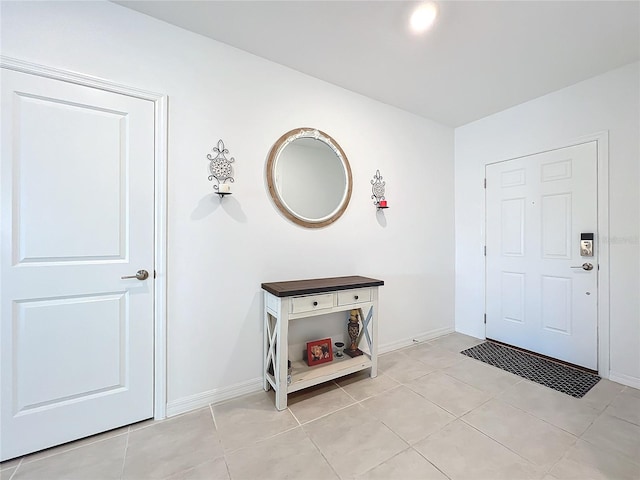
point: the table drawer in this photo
(310, 303)
(348, 297)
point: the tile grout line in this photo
(271, 437)
(348, 394)
(608, 448)
(570, 446)
(620, 418)
(331, 413)
(492, 395)
(564, 455)
(530, 462)
(520, 379)
(547, 470)
(294, 416)
(213, 417)
(321, 454)
(542, 419)
(419, 453)
(13, 474)
(70, 448)
(124, 457)
(358, 403)
(403, 384)
(390, 458)
(371, 396)
(382, 421)
(224, 453)
(371, 415)
(226, 464)
(455, 415)
(633, 460)
(604, 410)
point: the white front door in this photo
(538, 295)
(77, 182)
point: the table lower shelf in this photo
(304, 376)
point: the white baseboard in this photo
(627, 380)
(217, 395)
(422, 337)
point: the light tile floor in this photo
(430, 414)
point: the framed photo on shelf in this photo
(319, 351)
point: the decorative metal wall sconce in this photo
(378, 191)
(221, 169)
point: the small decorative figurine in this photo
(353, 329)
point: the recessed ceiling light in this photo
(423, 17)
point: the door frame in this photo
(160, 102)
(602, 148)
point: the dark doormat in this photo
(560, 377)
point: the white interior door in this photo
(77, 180)
(538, 296)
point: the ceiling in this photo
(480, 57)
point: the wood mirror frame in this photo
(271, 167)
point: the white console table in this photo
(285, 302)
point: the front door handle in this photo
(140, 275)
(585, 266)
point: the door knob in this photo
(140, 275)
(585, 266)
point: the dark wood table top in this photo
(319, 285)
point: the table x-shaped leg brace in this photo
(365, 326)
(272, 335)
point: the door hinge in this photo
(485, 318)
(485, 250)
(485, 183)
(154, 274)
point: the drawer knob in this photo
(315, 304)
(355, 296)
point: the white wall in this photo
(220, 252)
(609, 102)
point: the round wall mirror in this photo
(309, 177)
